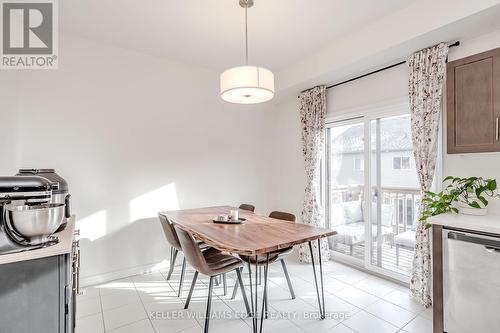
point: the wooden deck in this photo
(388, 257)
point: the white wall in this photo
(9, 122)
(135, 134)
(393, 36)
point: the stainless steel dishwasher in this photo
(471, 282)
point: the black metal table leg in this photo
(321, 299)
(287, 276)
(243, 292)
(321, 277)
(251, 296)
(256, 313)
(264, 298)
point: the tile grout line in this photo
(363, 309)
(102, 312)
(143, 306)
(414, 314)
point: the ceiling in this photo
(210, 33)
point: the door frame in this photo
(364, 115)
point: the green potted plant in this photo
(460, 195)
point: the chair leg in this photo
(191, 290)
(290, 287)
(350, 250)
(209, 303)
(216, 280)
(172, 263)
(181, 282)
(235, 289)
(243, 292)
(224, 283)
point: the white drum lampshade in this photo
(247, 85)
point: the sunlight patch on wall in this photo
(149, 204)
(93, 226)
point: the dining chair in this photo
(248, 207)
(264, 260)
(212, 263)
(175, 247)
(287, 251)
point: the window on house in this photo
(359, 164)
(401, 163)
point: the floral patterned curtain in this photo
(427, 70)
(312, 116)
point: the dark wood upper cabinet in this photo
(473, 103)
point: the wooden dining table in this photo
(257, 236)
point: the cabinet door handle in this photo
(496, 129)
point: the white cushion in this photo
(337, 215)
(406, 239)
(387, 211)
(352, 211)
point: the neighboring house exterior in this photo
(399, 181)
(397, 160)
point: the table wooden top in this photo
(257, 235)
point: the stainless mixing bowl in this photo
(37, 222)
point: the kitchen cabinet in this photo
(36, 295)
(38, 288)
(473, 103)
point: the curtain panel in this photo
(312, 116)
(427, 70)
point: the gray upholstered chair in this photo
(285, 252)
(210, 262)
(175, 247)
(250, 208)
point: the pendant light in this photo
(247, 84)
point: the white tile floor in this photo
(355, 302)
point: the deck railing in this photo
(404, 200)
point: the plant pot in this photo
(468, 210)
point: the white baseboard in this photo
(120, 274)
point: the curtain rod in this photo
(457, 43)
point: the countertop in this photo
(65, 244)
(489, 223)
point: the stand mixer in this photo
(27, 220)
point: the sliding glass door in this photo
(345, 168)
(372, 192)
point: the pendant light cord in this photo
(246, 34)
